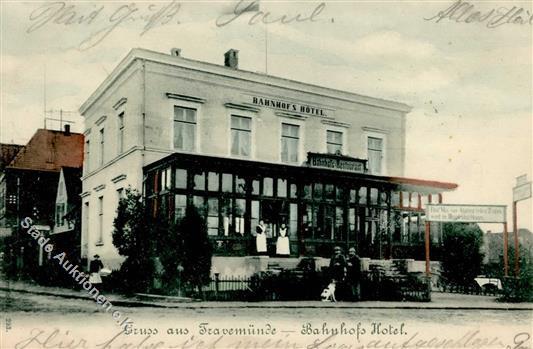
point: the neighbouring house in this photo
(66, 232)
(30, 183)
(242, 147)
(7, 153)
(493, 245)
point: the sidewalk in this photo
(439, 301)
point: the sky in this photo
(470, 84)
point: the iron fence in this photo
(470, 289)
(227, 288)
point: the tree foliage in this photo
(131, 237)
(168, 246)
(461, 259)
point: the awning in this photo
(421, 186)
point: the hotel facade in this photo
(243, 147)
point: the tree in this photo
(131, 237)
(196, 249)
(181, 247)
(461, 258)
(168, 245)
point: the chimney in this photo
(67, 130)
(231, 59)
(176, 52)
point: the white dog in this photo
(328, 294)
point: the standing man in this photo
(337, 271)
(354, 274)
(337, 265)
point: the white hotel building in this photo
(243, 146)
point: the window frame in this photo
(120, 131)
(185, 105)
(87, 155)
(247, 115)
(343, 139)
(383, 137)
(60, 212)
(101, 135)
(85, 228)
(301, 138)
(100, 215)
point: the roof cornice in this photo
(185, 63)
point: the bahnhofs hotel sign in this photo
(288, 106)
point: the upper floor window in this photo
(290, 142)
(241, 135)
(184, 128)
(102, 145)
(375, 154)
(61, 211)
(334, 141)
(120, 141)
(87, 154)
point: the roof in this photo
(72, 178)
(419, 186)
(7, 153)
(49, 150)
(235, 74)
(522, 232)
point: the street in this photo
(38, 321)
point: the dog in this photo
(328, 294)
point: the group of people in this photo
(282, 243)
(345, 273)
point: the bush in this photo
(411, 287)
(518, 289)
(299, 284)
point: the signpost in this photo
(521, 191)
(467, 214)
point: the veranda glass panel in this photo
(180, 205)
(282, 188)
(268, 186)
(181, 178)
(212, 216)
(240, 212)
(212, 179)
(199, 181)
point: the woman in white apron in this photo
(260, 238)
(282, 244)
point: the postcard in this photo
(245, 174)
